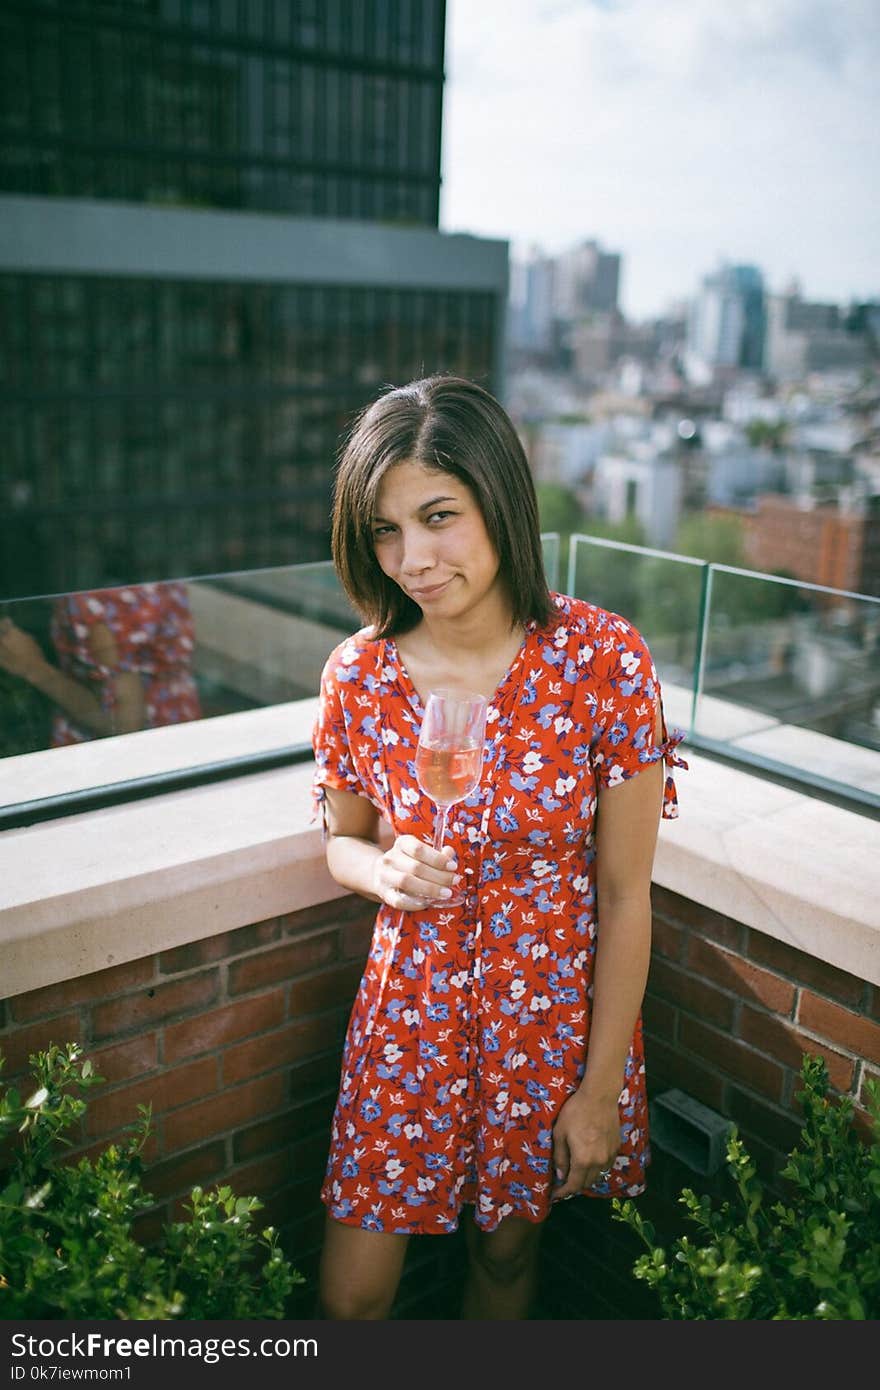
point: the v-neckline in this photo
(415, 698)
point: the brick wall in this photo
(235, 1041)
(728, 1014)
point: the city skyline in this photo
(704, 135)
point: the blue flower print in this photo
(546, 714)
(370, 1110)
(499, 924)
(618, 731)
(350, 1166)
(371, 1222)
(505, 819)
(436, 1013)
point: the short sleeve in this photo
(334, 763)
(628, 702)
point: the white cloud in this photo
(675, 132)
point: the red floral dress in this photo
(471, 1023)
(154, 632)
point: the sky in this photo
(681, 133)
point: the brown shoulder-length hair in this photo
(457, 427)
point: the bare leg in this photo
(502, 1270)
(360, 1272)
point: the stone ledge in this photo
(93, 890)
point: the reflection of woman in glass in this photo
(124, 661)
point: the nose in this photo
(418, 553)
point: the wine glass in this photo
(449, 756)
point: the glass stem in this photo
(440, 826)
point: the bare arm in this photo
(22, 656)
(407, 875)
(587, 1131)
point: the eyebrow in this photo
(426, 506)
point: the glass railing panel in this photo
(791, 675)
(88, 667)
(660, 593)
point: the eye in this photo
(439, 516)
(381, 530)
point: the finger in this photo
(406, 902)
(424, 888)
(432, 859)
(575, 1182)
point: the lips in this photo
(423, 595)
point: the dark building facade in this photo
(217, 242)
(327, 108)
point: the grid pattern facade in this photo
(194, 425)
(327, 108)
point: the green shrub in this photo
(815, 1254)
(66, 1244)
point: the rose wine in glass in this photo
(449, 756)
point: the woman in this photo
(494, 1053)
(124, 661)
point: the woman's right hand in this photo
(411, 875)
(20, 654)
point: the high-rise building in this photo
(586, 281)
(726, 323)
(218, 240)
(804, 337)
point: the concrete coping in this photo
(95, 889)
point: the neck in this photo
(471, 633)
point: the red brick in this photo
(262, 1178)
(135, 1011)
(753, 1117)
(713, 925)
(669, 1068)
(303, 1200)
(784, 1041)
(220, 947)
(356, 938)
(226, 1112)
(755, 1072)
(101, 984)
(850, 1030)
(298, 1123)
(17, 1045)
(804, 969)
(180, 1173)
(306, 1123)
(279, 1049)
(210, 1030)
(666, 939)
(331, 987)
(165, 1091)
(148, 1228)
(734, 973)
(329, 914)
(283, 963)
(316, 1076)
(691, 993)
(658, 1017)
(124, 1061)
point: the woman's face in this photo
(430, 538)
